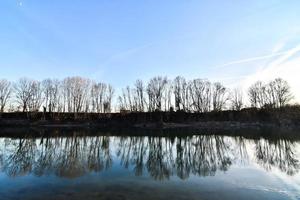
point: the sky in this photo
(119, 41)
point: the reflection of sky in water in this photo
(154, 167)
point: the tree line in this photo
(78, 94)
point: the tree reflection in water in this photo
(160, 157)
(279, 154)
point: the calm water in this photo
(148, 167)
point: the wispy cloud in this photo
(286, 66)
(280, 63)
(118, 57)
(125, 53)
(252, 59)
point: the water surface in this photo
(84, 166)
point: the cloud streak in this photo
(263, 57)
(286, 67)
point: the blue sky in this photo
(118, 41)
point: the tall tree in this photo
(108, 100)
(140, 92)
(180, 93)
(167, 95)
(76, 92)
(155, 89)
(219, 96)
(51, 90)
(257, 94)
(98, 92)
(281, 90)
(23, 92)
(237, 99)
(276, 93)
(36, 96)
(200, 93)
(5, 93)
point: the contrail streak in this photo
(255, 58)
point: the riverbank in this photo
(251, 118)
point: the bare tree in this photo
(121, 103)
(181, 93)
(23, 92)
(200, 93)
(98, 91)
(51, 90)
(108, 100)
(151, 99)
(130, 99)
(276, 93)
(140, 92)
(219, 96)
(127, 100)
(257, 94)
(76, 91)
(77, 94)
(155, 89)
(280, 92)
(237, 99)
(5, 93)
(66, 95)
(36, 96)
(167, 95)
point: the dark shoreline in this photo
(287, 118)
(196, 125)
(83, 131)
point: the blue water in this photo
(149, 167)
